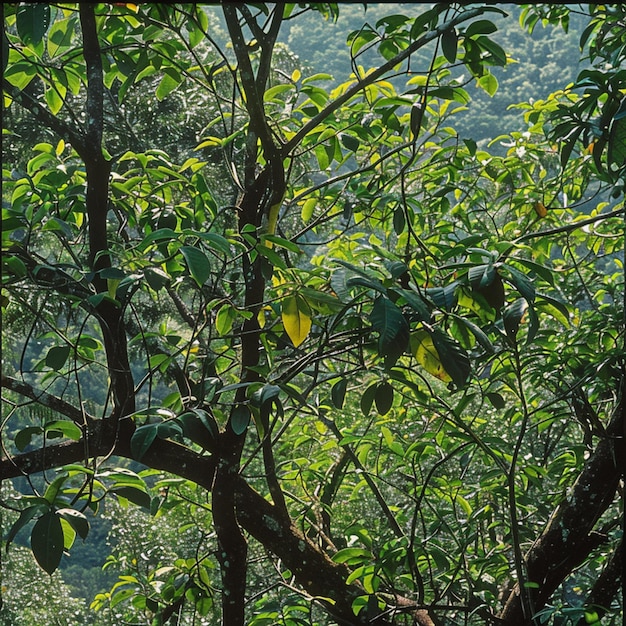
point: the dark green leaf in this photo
(76, 520)
(480, 27)
(453, 358)
(32, 21)
(367, 399)
(338, 393)
(199, 426)
(133, 494)
(156, 278)
(142, 439)
(169, 429)
(24, 436)
(513, 315)
(197, 264)
(57, 356)
(497, 401)
(239, 419)
(449, 43)
(387, 319)
(522, 284)
(46, 541)
(25, 516)
(383, 398)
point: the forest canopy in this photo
(308, 343)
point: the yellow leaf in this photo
(427, 356)
(540, 209)
(307, 209)
(296, 316)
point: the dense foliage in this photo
(319, 358)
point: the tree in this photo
(393, 360)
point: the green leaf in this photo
(496, 399)
(296, 316)
(387, 319)
(60, 36)
(169, 429)
(338, 393)
(63, 428)
(77, 521)
(46, 541)
(54, 488)
(239, 419)
(24, 436)
(200, 427)
(142, 439)
(453, 358)
(449, 44)
(367, 399)
(489, 83)
(135, 495)
(480, 27)
(57, 356)
(170, 81)
(513, 315)
(383, 398)
(307, 209)
(156, 278)
(224, 319)
(32, 21)
(26, 515)
(423, 348)
(197, 264)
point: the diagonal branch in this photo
(376, 74)
(55, 403)
(569, 536)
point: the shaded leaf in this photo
(338, 393)
(133, 494)
(513, 315)
(76, 520)
(57, 356)
(197, 264)
(383, 398)
(46, 541)
(239, 419)
(387, 319)
(142, 439)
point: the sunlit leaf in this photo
(296, 316)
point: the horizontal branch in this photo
(567, 228)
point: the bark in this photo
(569, 537)
(607, 585)
(312, 568)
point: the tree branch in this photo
(569, 537)
(375, 75)
(58, 405)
